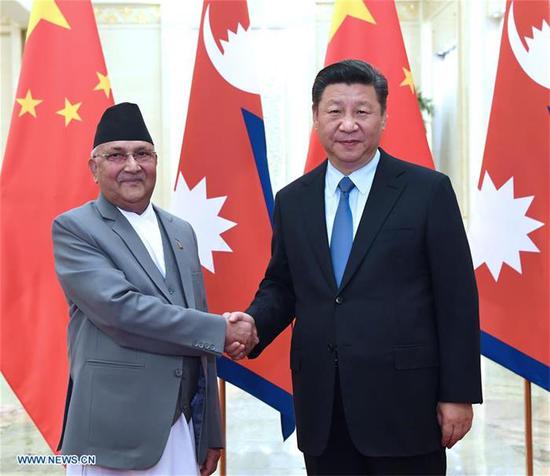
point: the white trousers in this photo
(178, 457)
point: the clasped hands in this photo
(240, 335)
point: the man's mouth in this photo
(131, 180)
(348, 142)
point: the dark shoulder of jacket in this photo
(414, 171)
(297, 184)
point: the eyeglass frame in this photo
(150, 155)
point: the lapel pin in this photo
(179, 244)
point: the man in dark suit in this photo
(142, 347)
(370, 257)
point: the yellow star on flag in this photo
(28, 104)
(352, 8)
(70, 112)
(104, 84)
(408, 81)
(46, 10)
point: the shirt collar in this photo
(362, 178)
(147, 216)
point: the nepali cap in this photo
(121, 122)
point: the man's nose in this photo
(348, 123)
(131, 164)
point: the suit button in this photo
(170, 290)
(339, 299)
(178, 372)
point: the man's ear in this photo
(315, 113)
(93, 168)
(384, 120)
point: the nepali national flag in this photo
(223, 189)
(369, 30)
(63, 90)
(509, 232)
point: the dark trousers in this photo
(340, 457)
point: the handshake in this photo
(240, 335)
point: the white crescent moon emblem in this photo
(237, 63)
(535, 62)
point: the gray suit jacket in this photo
(126, 338)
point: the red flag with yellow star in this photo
(63, 90)
(369, 30)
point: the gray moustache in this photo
(130, 179)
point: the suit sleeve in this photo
(104, 295)
(215, 433)
(455, 298)
(273, 305)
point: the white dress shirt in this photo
(147, 227)
(362, 178)
(178, 457)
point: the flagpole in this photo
(528, 427)
(223, 459)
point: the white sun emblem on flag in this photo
(499, 227)
(202, 213)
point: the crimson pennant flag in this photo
(223, 189)
(509, 219)
(63, 90)
(369, 31)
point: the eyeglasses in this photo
(119, 157)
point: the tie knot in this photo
(346, 184)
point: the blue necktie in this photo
(342, 231)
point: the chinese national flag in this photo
(63, 89)
(223, 189)
(369, 30)
(509, 230)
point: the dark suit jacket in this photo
(403, 326)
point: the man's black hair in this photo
(350, 72)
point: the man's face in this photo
(128, 183)
(349, 121)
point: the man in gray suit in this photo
(142, 346)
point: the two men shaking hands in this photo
(241, 334)
(369, 260)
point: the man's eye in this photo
(333, 111)
(116, 157)
(362, 112)
(141, 154)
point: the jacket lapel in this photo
(386, 189)
(122, 228)
(181, 248)
(313, 207)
